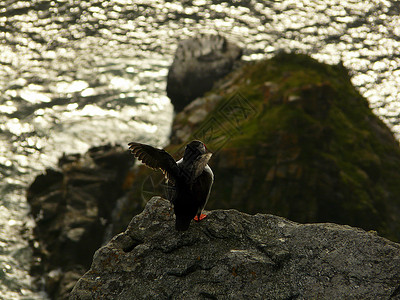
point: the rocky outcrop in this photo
(73, 209)
(198, 63)
(292, 137)
(232, 255)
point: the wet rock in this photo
(198, 63)
(72, 208)
(232, 255)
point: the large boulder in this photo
(232, 255)
(73, 209)
(198, 63)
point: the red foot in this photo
(197, 219)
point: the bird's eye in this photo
(205, 148)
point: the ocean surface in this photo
(76, 74)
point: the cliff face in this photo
(290, 137)
(293, 137)
(73, 210)
(232, 255)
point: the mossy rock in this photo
(293, 137)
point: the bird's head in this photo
(193, 150)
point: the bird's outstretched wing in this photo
(156, 159)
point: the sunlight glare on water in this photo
(76, 74)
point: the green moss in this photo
(311, 150)
(326, 132)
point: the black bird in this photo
(190, 177)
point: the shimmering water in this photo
(81, 73)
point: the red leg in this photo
(199, 218)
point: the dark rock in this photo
(72, 209)
(198, 64)
(232, 255)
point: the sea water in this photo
(76, 74)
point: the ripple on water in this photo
(80, 73)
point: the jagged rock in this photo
(72, 208)
(198, 63)
(232, 255)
